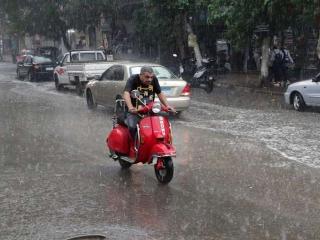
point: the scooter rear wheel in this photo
(209, 86)
(164, 174)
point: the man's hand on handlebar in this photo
(171, 109)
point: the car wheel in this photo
(59, 87)
(209, 86)
(30, 77)
(90, 101)
(19, 74)
(79, 88)
(298, 102)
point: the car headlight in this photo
(89, 76)
(156, 108)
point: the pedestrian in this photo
(287, 63)
(277, 64)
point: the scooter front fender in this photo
(162, 150)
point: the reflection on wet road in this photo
(239, 173)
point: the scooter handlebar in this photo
(148, 108)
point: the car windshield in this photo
(41, 60)
(159, 71)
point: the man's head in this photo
(146, 75)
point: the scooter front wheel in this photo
(124, 164)
(209, 86)
(164, 170)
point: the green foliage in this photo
(242, 16)
(52, 18)
(164, 21)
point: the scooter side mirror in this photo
(135, 94)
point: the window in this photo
(114, 73)
(41, 60)
(99, 56)
(75, 57)
(118, 73)
(28, 60)
(87, 56)
(159, 71)
(109, 74)
(66, 59)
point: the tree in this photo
(53, 18)
(242, 16)
(167, 25)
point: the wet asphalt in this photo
(247, 168)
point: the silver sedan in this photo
(103, 91)
(304, 93)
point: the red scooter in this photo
(153, 143)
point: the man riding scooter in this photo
(148, 85)
(145, 136)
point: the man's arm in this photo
(127, 99)
(164, 101)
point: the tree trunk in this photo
(65, 40)
(318, 45)
(179, 29)
(245, 59)
(193, 42)
(265, 60)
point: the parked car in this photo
(82, 67)
(49, 52)
(103, 91)
(304, 93)
(35, 68)
(22, 55)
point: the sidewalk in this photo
(7, 58)
(246, 80)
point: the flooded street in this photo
(246, 168)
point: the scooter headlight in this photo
(156, 108)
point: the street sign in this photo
(263, 28)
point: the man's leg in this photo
(132, 121)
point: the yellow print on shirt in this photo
(145, 93)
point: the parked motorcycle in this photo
(201, 77)
(153, 143)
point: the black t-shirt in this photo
(147, 93)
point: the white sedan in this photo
(304, 93)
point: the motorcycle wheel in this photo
(209, 86)
(124, 164)
(164, 173)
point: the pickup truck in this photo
(83, 66)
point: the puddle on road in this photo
(282, 132)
